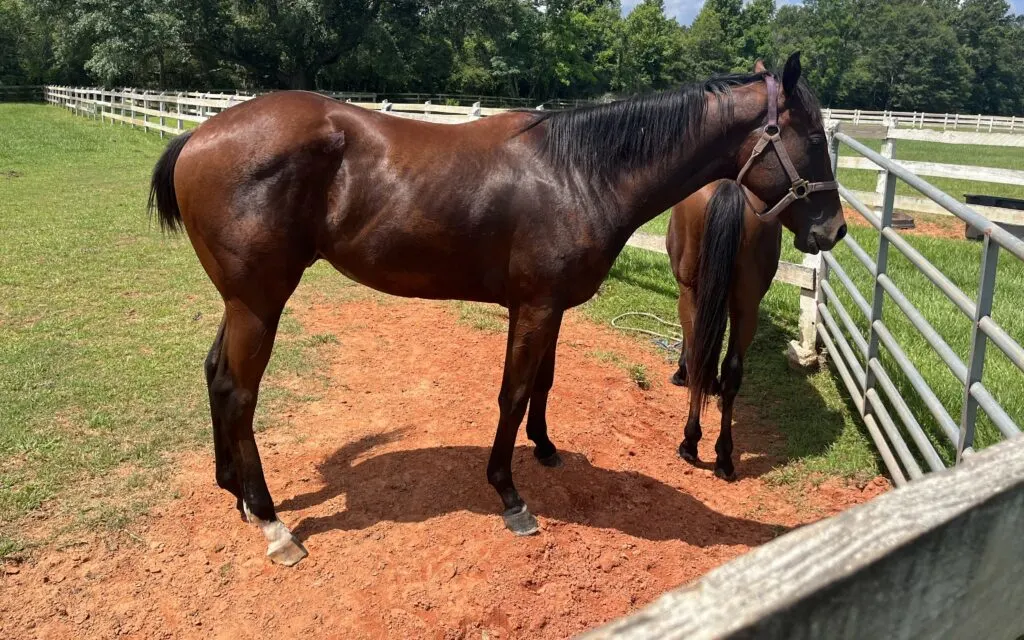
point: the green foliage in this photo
(931, 55)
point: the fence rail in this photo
(922, 120)
(860, 365)
(941, 558)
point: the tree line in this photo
(932, 55)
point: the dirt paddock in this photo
(383, 478)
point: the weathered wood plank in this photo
(788, 273)
(934, 169)
(942, 557)
(958, 137)
(142, 123)
(924, 205)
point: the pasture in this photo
(106, 480)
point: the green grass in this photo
(104, 324)
(821, 434)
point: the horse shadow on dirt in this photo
(418, 484)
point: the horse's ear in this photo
(759, 66)
(791, 73)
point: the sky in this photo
(686, 10)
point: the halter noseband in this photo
(799, 188)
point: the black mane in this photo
(603, 140)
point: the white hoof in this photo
(282, 546)
(287, 552)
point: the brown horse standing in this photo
(524, 209)
(724, 245)
(724, 259)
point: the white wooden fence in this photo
(922, 120)
(891, 133)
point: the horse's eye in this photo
(816, 139)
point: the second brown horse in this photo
(724, 258)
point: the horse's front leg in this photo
(532, 330)
(536, 421)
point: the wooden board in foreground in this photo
(942, 557)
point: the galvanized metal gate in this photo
(858, 359)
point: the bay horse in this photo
(724, 246)
(525, 209)
(724, 259)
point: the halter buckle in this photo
(801, 188)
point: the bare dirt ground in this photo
(930, 225)
(383, 477)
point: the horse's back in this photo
(757, 260)
(685, 232)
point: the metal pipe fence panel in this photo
(886, 402)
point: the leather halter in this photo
(799, 188)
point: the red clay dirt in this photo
(929, 225)
(383, 477)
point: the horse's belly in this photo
(429, 276)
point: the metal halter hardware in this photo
(799, 188)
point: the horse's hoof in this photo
(552, 461)
(286, 551)
(687, 455)
(728, 477)
(678, 380)
(520, 521)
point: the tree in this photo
(651, 50)
(707, 48)
(913, 64)
(991, 44)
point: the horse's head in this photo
(785, 163)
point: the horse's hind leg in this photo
(227, 476)
(536, 421)
(744, 326)
(249, 329)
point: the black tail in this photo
(723, 232)
(161, 187)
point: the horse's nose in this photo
(841, 233)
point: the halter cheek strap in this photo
(799, 188)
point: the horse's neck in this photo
(646, 193)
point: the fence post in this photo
(803, 353)
(163, 120)
(426, 107)
(976, 362)
(881, 266)
(177, 105)
(888, 151)
(475, 113)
